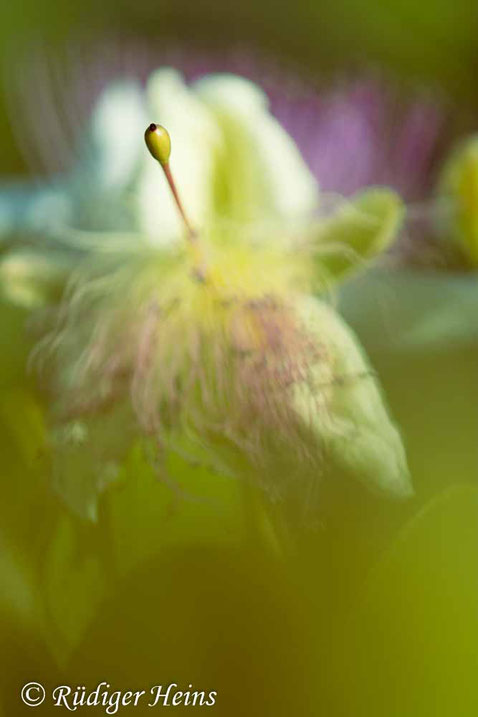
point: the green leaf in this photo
(74, 584)
(24, 479)
(15, 344)
(459, 183)
(21, 420)
(168, 498)
(88, 454)
(201, 613)
(17, 595)
(410, 647)
(359, 231)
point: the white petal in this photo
(117, 126)
(264, 171)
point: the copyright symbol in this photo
(33, 694)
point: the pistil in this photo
(158, 143)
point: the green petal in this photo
(459, 183)
(343, 405)
(360, 230)
(261, 173)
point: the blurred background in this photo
(429, 44)
(378, 612)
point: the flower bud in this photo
(460, 184)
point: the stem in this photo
(191, 233)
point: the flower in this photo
(241, 362)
